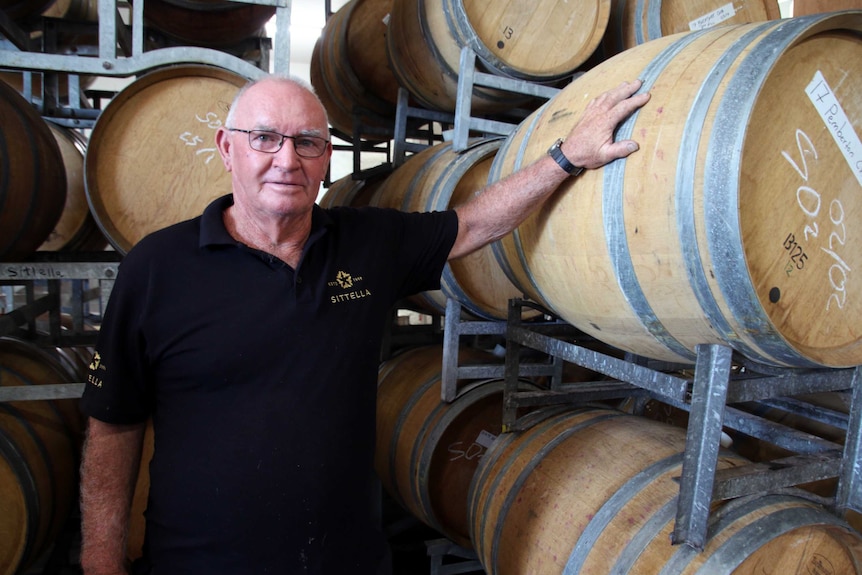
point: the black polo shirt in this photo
(261, 382)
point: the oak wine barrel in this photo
(76, 229)
(22, 10)
(634, 22)
(32, 177)
(151, 159)
(349, 70)
(736, 222)
(424, 46)
(208, 23)
(538, 41)
(39, 451)
(427, 449)
(808, 7)
(594, 491)
(439, 178)
(347, 191)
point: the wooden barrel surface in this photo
(349, 69)
(151, 159)
(41, 445)
(439, 178)
(425, 56)
(391, 194)
(20, 10)
(76, 229)
(798, 412)
(735, 221)
(210, 23)
(539, 41)
(21, 499)
(75, 10)
(32, 177)
(427, 450)
(26, 363)
(808, 7)
(594, 491)
(634, 22)
(39, 451)
(350, 192)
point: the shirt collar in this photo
(213, 231)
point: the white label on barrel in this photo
(485, 439)
(830, 110)
(713, 18)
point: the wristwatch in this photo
(561, 159)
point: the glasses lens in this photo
(309, 146)
(265, 141)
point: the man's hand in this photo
(591, 143)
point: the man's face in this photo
(281, 183)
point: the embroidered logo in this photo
(347, 282)
(97, 359)
(344, 280)
(95, 366)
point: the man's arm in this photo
(109, 469)
(503, 205)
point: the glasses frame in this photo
(281, 143)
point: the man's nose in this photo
(287, 155)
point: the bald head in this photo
(288, 85)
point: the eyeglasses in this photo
(271, 142)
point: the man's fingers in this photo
(591, 141)
(627, 89)
(615, 96)
(622, 149)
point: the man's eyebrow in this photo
(307, 132)
(311, 132)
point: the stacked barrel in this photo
(733, 224)
(74, 187)
(34, 179)
(589, 489)
(728, 226)
(40, 445)
(50, 199)
(751, 129)
(707, 234)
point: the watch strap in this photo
(557, 154)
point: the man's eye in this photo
(306, 143)
(264, 138)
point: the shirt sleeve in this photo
(117, 389)
(426, 240)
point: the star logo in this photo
(97, 359)
(344, 280)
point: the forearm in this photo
(503, 205)
(109, 469)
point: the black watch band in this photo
(556, 152)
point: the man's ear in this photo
(223, 144)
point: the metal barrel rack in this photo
(121, 51)
(707, 391)
(79, 278)
(83, 277)
(720, 379)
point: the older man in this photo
(250, 335)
